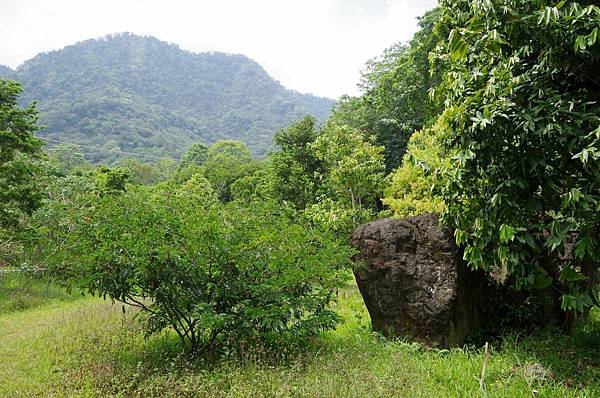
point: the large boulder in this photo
(414, 281)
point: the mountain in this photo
(6, 72)
(142, 95)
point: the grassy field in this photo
(67, 345)
(21, 291)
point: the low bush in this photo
(212, 272)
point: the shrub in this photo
(210, 271)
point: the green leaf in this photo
(574, 195)
(570, 275)
(580, 43)
(569, 302)
(458, 46)
(507, 233)
(592, 37)
(541, 279)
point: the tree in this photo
(19, 193)
(196, 154)
(351, 180)
(164, 169)
(414, 187)
(67, 156)
(141, 173)
(396, 100)
(228, 161)
(111, 180)
(522, 91)
(258, 186)
(296, 168)
(354, 165)
(197, 189)
(215, 273)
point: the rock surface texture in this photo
(414, 281)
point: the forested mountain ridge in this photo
(7, 72)
(143, 95)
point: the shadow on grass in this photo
(573, 360)
(22, 291)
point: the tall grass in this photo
(24, 290)
(92, 348)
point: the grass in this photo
(91, 348)
(22, 290)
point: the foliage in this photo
(66, 156)
(334, 175)
(522, 84)
(197, 154)
(11, 247)
(354, 166)
(197, 189)
(19, 194)
(140, 173)
(258, 186)
(296, 167)
(111, 180)
(336, 216)
(414, 187)
(228, 161)
(147, 96)
(395, 102)
(212, 272)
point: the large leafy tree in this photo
(197, 154)
(353, 166)
(396, 100)
(523, 89)
(19, 193)
(351, 179)
(414, 187)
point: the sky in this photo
(311, 46)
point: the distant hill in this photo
(6, 72)
(140, 94)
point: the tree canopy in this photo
(395, 101)
(19, 193)
(522, 93)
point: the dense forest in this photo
(139, 94)
(488, 117)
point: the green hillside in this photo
(7, 72)
(139, 94)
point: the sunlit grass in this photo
(23, 290)
(89, 348)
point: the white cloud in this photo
(316, 46)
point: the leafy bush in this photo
(212, 272)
